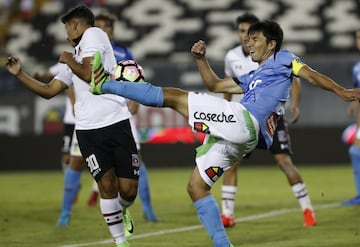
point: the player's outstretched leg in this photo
(98, 75)
(144, 93)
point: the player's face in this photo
(243, 34)
(71, 31)
(104, 26)
(259, 49)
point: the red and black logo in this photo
(201, 127)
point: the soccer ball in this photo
(348, 135)
(129, 70)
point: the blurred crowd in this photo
(12, 11)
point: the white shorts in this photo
(231, 132)
(75, 149)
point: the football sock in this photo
(209, 215)
(71, 188)
(228, 194)
(302, 196)
(354, 152)
(112, 212)
(144, 190)
(144, 93)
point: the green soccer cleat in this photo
(128, 224)
(98, 75)
(231, 245)
(123, 244)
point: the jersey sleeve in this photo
(297, 64)
(243, 81)
(289, 62)
(65, 76)
(57, 68)
(227, 68)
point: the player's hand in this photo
(198, 50)
(13, 65)
(65, 57)
(295, 114)
(351, 94)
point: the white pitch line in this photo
(195, 227)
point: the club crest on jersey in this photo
(271, 123)
(214, 172)
(282, 136)
(201, 127)
(135, 160)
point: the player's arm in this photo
(210, 79)
(45, 90)
(295, 99)
(324, 82)
(82, 70)
(133, 106)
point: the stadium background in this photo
(160, 34)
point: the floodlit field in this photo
(267, 212)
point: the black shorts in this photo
(281, 140)
(110, 147)
(67, 137)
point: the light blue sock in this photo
(209, 215)
(142, 92)
(71, 187)
(144, 190)
(354, 152)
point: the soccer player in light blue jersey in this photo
(354, 150)
(238, 62)
(233, 128)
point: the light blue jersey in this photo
(356, 74)
(266, 90)
(122, 53)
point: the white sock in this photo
(112, 212)
(228, 194)
(302, 196)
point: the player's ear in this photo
(272, 44)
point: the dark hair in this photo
(81, 12)
(106, 17)
(271, 31)
(246, 17)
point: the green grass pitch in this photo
(267, 212)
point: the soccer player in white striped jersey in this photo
(102, 123)
(238, 62)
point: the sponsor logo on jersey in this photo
(214, 172)
(215, 117)
(201, 127)
(271, 123)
